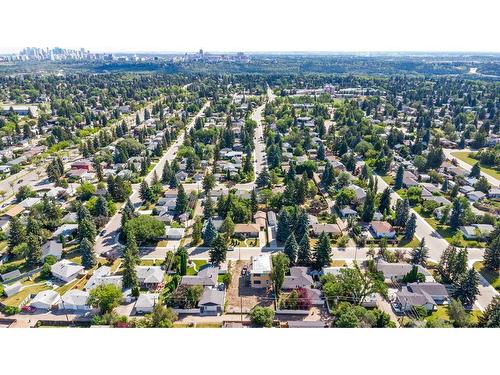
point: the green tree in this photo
(385, 202)
(475, 170)
(197, 231)
(105, 297)
(291, 248)
(322, 252)
(130, 279)
(160, 317)
(34, 251)
(181, 203)
(146, 228)
(264, 179)
(368, 207)
(420, 254)
(87, 252)
(304, 256)
(491, 316)
(87, 230)
(210, 233)
(281, 264)
(17, 233)
(262, 316)
(411, 227)
(458, 315)
(492, 252)
(398, 180)
(208, 182)
(218, 250)
(467, 288)
(283, 230)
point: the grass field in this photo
(492, 277)
(464, 156)
(442, 313)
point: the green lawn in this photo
(464, 156)
(442, 313)
(199, 263)
(16, 299)
(389, 180)
(404, 243)
(492, 277)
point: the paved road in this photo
(108, 242)
(448, 153)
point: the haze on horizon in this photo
(264, 26)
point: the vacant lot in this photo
(240, 296)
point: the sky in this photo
(252, 25)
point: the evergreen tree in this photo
(445, 186)
(101, 207)
(34, 251)
(385, 202)
(210, 233)
(129, 280)
(492, 252)
(291, 248)
(398, 181)
(321, 152)
(17, 233)
(208, 208)
(87, 229)
(183, 256)
(411, 227)
(264, 179)
(283, 230)
(368, 207)
(456, 214)
(304, 257)
(181, 204)
(218, 251)
(87, 252)
(322, 252)
(254, 204)
(491, 316)
(467, 288)
(302, 226)
(420, 254)
(475, 171)
(131, 245)
(166, 173)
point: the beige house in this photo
(260, 273)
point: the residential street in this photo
(448, 153)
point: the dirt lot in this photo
(241, 296)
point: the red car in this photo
(28, 309)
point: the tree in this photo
(262, 316)
(280, 263)
(283, 230)
(208, 182)
(304, 256)
(145, 192)
(197, 230)
(321, 152)
(227, 226)
(106, 297)
(87, 252)
(483, 185)
(17, 232)
(452, 264)
(218, 250)
(398, 180)
(254, 202)
(291, 248)
(385, 202)
(302, 226)
(467, 288)
(458, 315)
(160, 317)
(208, 208)
(402, 212)
(368, 207)
(146, 228)
(183, 257)
(210, 233)
(101, 207)
(420, 254)
(492, 252)
(475, 171)
(411, 227)
(459, 212)
(86, 229)
(129, 272)
(491, 316)
(181, 203)
(34, 251)
(322, 252)
(264, 179)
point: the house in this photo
(382, 229)
(10, 290)
(207, 276)
(260, 271)
(102, 276)
(146, 302)
(466, 189)
(347, 212)
(65, 231)
(29, 202)
(426, 295)
(174, 233)
(396, 271)
(475, 196)
(476, 231)
(298, 278)
(75, 300)
(53, 248)
(212, 301)
(272, 221)
(66, 270)
(260, 219)
(150, 276)
(82, 164)
(45, 300)
(14, 211)
(10, 275)
(247, 230)
(494, 193)
(359, 193)
(331, 229)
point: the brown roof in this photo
(14, 210)
(246, 228)
(325, 228)
(381, 226)
(260, 215)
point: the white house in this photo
(174, 233)
(15, 288)
(146, 302)
(53, 248)
(66, 270)
(75, 299)
(45, 299)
